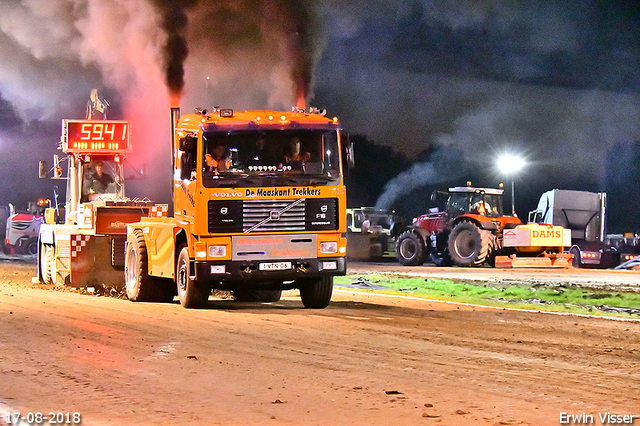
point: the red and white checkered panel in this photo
(159, 210)
(77, 242)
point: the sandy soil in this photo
(365, 360)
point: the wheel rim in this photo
(182, 277)
(32, 248)
(130, 270)
(465, 244)
(407, 249)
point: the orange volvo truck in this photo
(259, 206)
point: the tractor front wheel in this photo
(410, 249)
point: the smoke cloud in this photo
(465, 81)
(564, 135)
(233, 53)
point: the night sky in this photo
(450, 85)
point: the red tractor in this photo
(468, 233)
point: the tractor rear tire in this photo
(410, 249)
(469, 245)
(315, 292)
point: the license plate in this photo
(275, 266)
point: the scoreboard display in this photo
(87, 136)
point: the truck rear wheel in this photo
(191, 292)
(410, 249)
(469, 245)
(316, 292)
(576, 262)
(139, 285)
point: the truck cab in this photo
(584, 213)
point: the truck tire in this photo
(576, 262)
(252, 295)
(410, 249)
(46, 263)
(469, 245)
(315, 292)
(191, 292)
(141, 287)
(31, 246)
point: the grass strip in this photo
(539, 296)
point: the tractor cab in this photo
(468, 200)
(102, 178)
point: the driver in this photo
(99, 180)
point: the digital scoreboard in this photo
(87, 136)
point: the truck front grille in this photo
(273, 215)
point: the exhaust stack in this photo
(175, 116)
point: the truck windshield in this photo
(270, 158)
(462, 203)
(101, 179)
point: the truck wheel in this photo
(192, 293)
(31, 246)
(469, 245)
(251, 295)
(51, 263)
(315, 292)
(576, 262)
(46, 263)
(410, 249)
(139, 285)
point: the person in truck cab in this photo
(217, 160)
(295, 158)
(99, 181)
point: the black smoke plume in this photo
(175, 49)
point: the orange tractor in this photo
(473, 230)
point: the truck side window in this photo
(187, 165)
(188, 148)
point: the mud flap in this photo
(88, 266)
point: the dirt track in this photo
(365, 360)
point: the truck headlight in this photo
(329, 247)
(217, 251)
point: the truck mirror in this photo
(42, 172)
(187, 143)
(434, 196)
(348, 150)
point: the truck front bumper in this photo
(282, 270)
